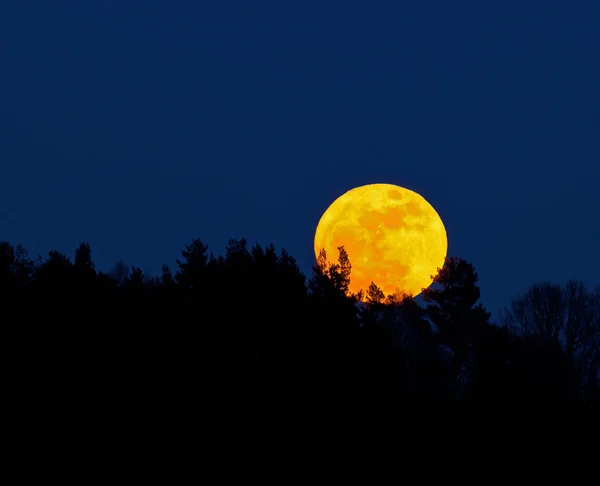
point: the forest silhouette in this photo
(249, 327)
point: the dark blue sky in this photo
(139, 125)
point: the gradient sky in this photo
(137, 125)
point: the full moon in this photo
(393, 237)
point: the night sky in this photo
(137, 125)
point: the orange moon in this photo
(393, 237)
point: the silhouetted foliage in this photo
(563, 322)
(459, 320)
(247, 327)
(119, 272)
(16, 272)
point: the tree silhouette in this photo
(562, 321)
(16, 272)
(246, 329)
(453, 309)
(328, 292)
(192, 271)
(119, 272)
(83, 257)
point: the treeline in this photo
(248, 325)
